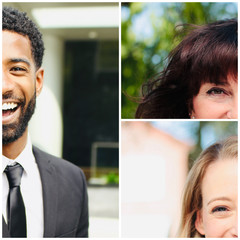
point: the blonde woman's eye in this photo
(219, 209)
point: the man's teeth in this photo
(8, 106)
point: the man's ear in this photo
(199, 223)
(39, 80)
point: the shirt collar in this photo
(25, 158)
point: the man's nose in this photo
(7, 83)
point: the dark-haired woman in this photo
(200, 80)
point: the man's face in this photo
(21, 82)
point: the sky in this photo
(141, 24)
(187, 131)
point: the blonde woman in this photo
(210, 200)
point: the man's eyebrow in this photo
(219, 198)
(16, 60)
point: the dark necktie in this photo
(15, 206)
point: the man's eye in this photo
(16, 69)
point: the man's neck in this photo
(12, 150)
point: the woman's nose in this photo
(233, 110)
(234, 230)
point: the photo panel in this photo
(172, 171)
(171, 66)
(76, 116)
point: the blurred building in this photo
(77, 111)
(153, 171)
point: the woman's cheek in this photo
(215, 228)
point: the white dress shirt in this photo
(31, 189)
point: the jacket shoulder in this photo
(62, 167)
(68, 182)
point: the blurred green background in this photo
(148, 35)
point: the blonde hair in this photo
(192, 197)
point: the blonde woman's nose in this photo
(234, 229)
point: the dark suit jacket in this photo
(65, 199)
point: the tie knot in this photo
(14, 174)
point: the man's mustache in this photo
(10, 95)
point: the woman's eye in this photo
(216, 91)
(219, 209)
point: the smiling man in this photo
(42, 196)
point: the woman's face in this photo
(218, 217)
(216, 101)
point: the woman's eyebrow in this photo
(219, 198)
(223, 83)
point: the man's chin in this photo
(11, 132)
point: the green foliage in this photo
(144, 55)
(219, 130)
(111, 178)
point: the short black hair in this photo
(16, 21)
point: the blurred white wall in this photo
(53, 65)
(47, 120)
(153, 173)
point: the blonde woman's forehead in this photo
(220, 181)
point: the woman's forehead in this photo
(220, 180)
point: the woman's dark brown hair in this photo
(208, 53)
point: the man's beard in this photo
(11, 132)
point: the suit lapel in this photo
(5, 232)
(49, 186)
